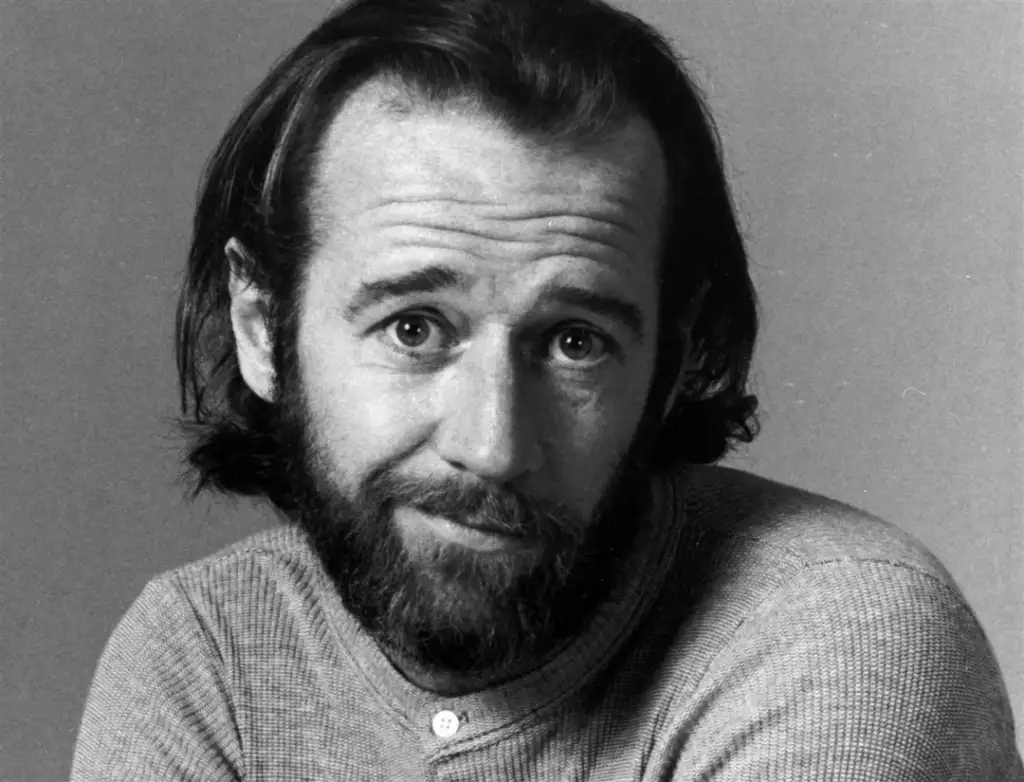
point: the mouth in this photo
(416, 524)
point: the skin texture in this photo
(523, 348)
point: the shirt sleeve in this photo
(855, 672)
(159, 707)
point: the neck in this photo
(453, 684)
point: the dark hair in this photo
(552, 69)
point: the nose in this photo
(488, 425)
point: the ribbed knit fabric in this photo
(761, 633)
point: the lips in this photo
(496, 531)
(421, 531)
(479, 526)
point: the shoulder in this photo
(270, 550)
(799, 622)
(251, 569)
(792, 527)
(263, 593)
(173, 668)
(878, 667)
(764, 561)
(217, 624)
(753, 548)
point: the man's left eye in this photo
(579, 345)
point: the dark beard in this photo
(448, 608)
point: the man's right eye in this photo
(416, 333)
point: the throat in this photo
(454, 684)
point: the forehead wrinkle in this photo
(548, 243)
(572, 224)
(497, 224)
(497, 211)
(427, 242)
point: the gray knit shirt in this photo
(762, 633)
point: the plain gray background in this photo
(875, 153)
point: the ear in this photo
(685, 366)
(689, 361)
(250, 309)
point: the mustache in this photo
(505, 509)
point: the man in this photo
(468, 304)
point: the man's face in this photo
(475, 347)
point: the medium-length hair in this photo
(558, 71)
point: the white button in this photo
(445, 724)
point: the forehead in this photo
(383, 146)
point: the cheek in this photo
(587, 439)
(361, 417)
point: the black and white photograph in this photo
(512, 390)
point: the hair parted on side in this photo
(556, 70)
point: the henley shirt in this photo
(758, 632)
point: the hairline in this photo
(403, 97)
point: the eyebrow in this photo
(426, 280)
(617, 309)
(431, 279)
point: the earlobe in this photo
(249, 323)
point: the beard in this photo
(445, 607)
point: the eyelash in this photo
(610, 346)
